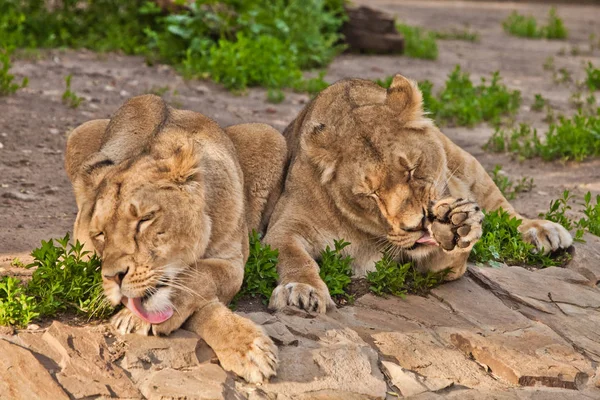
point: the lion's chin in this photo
(136, 306)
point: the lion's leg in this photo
(299, 282)
(439, 260)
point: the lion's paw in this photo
(457, 224)
(255, 360)
(546, 236)
(125, 322)
(301, 295)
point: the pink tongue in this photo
(136, 307)
(427, 239)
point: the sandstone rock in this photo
(179, 350)
(86, 368)
(586, 259)
(533, 356)
(559, 300)
(205, 382)
(280, 334)
(480, 306)
(405, 381)
(423, 353)
(23, 377)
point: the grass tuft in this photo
(592, 78)
(336, 269)
(69, 97)
(6, 79)
(260, 273)
(527, 26)
(509, 188)
(418, 42)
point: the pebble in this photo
(15, 195)
(54, 131)
(124, 93)
(33, 327)
(1, 145)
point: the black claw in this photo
(300, 303)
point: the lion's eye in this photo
(99, 236)
(375, 194)
(145, 218)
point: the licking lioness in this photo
(367, 166)
(161, 198)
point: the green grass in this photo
(336, 269)
(539, 103)
(418, 42)
(69, 97)
(397, 279)
(465, 34)
(463, 103)
(65, 280)
(591, 211)
(575, 138)
(6, 78)
(527, 26)
(260, 274)
(558, 213)
(237, 43)
(501, 243)
(508, 187)
(592, 78)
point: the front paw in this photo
(126, 322)
(546, 236)
(457, 224)
(253, 355)
(303, 296)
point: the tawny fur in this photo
(167, 196)
(367, 166)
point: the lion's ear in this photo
(318, 146)
(181, 166)
(404, 97)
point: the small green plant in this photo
(336, 269)
(16, 307)
(260, 274)
(562, 76)
(385, 82)
(159, 90)
(501, 242)
(575, 138)
(275, 96)
(16, 262)
(397, 279)
(464, 104)
(465, 34)
(6, 79)
(418, 43)
(591, 220)
(510, 189)
(558, 213)
(549, 64)
(527, 26)
(539, 102)
(592, 79)
(69, 97)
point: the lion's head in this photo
(381, 161)
(148, 224)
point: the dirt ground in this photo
(36, 200)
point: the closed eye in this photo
(143, 220)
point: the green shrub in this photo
(591, 220)
(336, 269)
(501, 242)
(16, 307)
(6, 79)
(575, 138)
(558, 213)
(260, 273)
(539, 102)
(527, 26)
(69, 97)
(592, 78)
(397, 279)
(462, 103)
(418, 43)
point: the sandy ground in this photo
(36, 200)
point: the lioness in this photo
(367, 166)
(161, 198)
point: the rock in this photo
(202, 382)
(7, 330)
(405, 381)
(54, 131)
(423, 353)
(84, 354)
(23, 377)
(533, 356)
(562, 300)
(202, 89)
(16, 195)
(179, 350)
(586, 259)
(33, 327)
(372, 31)
(280, 334)
(1, 146)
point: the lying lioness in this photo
(367, 166)
(161, 198)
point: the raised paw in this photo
(546, 236)
(456, 224)
(301, 295)
(125, 322)
(254, 358)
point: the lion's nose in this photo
(117, 277)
